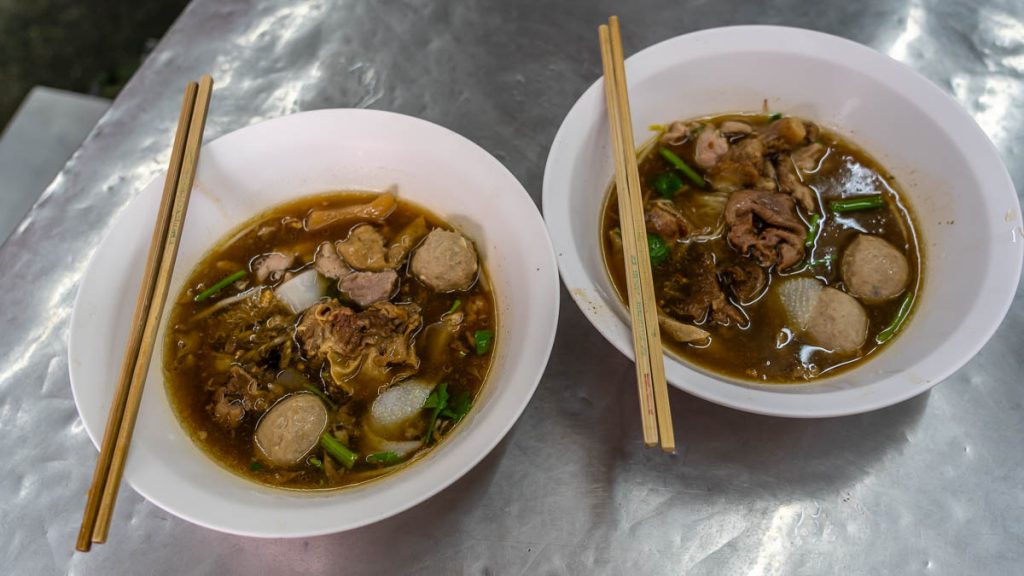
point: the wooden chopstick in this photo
(640, 284)
(148, 309)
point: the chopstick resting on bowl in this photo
(156, 281)
(655, 412)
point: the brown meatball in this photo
(874, 270)
(290, 429)
(838, 322)
(446, 261)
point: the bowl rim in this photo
(481, 447)
(751, 397)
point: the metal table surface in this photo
(932, 485)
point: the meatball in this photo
(874, 270)
(824, 316)
(838, 322)
(446, 261)
(290, 429)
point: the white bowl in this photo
(966, 208)
(242, 174)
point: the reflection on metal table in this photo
(931, 484)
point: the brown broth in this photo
(195, 350)
(759, 352)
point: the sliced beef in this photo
(364, 249)
(740, 167)
(711, 146)
(784, 134)
(765, 226)
(695, 294)
(328, 263)
(664, 219)
(445, 261)
(745, 279)
(790, 183)
(271, 266)
(365, 288)
(806, 159)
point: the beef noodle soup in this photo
(330, 341)
(780, 251)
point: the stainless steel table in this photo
(932, 485)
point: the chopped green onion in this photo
(315, 462)
(774, 117)
(255, 466)
(483, 339)
(224, 282)
(812, 230)
(436, 401)
(337, 450)
(387, 458)
(458, 407)
(455, 306)
(856, 204)
(667, 184)
(682, 167)
(327, 399)
(657, 248)
(894, 326)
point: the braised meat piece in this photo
(695, 294)
(665, 220)
(745, 279)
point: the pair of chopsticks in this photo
(650, 365)
(156, 280)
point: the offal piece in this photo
(874, 270)
(366, 349)
(446, 261)
(665, 220)
(680, 331)
(742, 165)
(289, 430)
(375, 211)
(746, 280)
(790, 183)
(364, 249)
(711, 145)
(734, 128)
(784, 134)
(677, 133)
(405, 241)
(271, 266)
(695, 291)
(776, 237)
